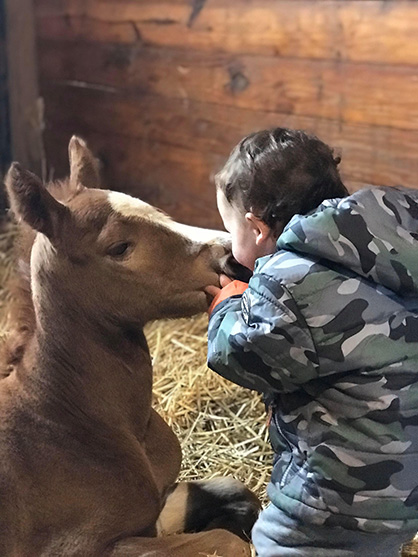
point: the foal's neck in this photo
(90, 365)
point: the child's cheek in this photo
(238, 252)
(243, 256)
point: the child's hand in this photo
(224, 280)
(228, 288)
(214, 290)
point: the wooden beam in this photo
(4, 102)
(375, 31)
(156, 128)
(379, 95)
(170, 177)
(25, 103)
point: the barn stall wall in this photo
(5, 155)
(163, 89)
(23, 116)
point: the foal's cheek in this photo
(184, 305)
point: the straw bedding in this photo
(221, 427)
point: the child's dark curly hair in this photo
(279, 173)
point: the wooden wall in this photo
(5, 155)
(25, 106)
(164, 89)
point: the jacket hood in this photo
(373, 233)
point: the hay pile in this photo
(7, 236)
(221, 427)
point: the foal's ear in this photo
(84, 167)
(31, 202)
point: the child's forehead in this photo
(224, 205)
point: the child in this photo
(328, 330)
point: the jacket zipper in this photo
(289, 446)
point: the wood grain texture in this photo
(355, 93)
(5, 154)
(363, 31)
(375, 155)
(164, 92)
(23, 84)
(171, 177)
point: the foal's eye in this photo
(119, 250)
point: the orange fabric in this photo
(232, 289)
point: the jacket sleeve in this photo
(260, 339)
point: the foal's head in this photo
(111, 253)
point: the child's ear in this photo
(31, 202)
(262, 231)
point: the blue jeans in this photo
(277, 535)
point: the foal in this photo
(86, 465)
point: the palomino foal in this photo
(86, 465)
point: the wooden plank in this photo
(375, 155)
(5, 154)
(25, 116)
(366, 31)
(175, 179)
(351, 93)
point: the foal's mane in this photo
(20, 324)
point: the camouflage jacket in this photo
(328, 328)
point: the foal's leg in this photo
(204, 505)
(216, 543)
